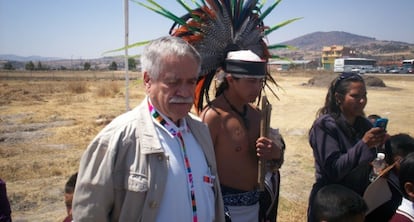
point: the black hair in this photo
(70, 184)
(406, 172)
(224, 85)
(401, 144)
(339, 85)
(335, 203)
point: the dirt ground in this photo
(46, 124)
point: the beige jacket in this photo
(122, 172)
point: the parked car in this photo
(406, 70)
(394, 70)
(373, 70)
(409, 70)
(355, 70)
(359, 70)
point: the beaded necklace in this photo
(177, 134)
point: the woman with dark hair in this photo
(5, 210)
(342, 138)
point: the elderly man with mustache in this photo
(156, 162)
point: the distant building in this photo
(330, 53)
(283, 65)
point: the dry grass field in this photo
(46, 123)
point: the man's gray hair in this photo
(155, 52)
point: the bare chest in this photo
(237, 138)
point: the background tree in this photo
(8, 66)
(86, 66)
(29, 66)
(39, 66)
(113, 66)
(132, 64)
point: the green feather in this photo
(233, 8)
(280, 46)
(182, 3)
(189, 10)
(261, 4)
(268, 31)
(268, 10)
(275, 57)
(162, 11)
(137, 44)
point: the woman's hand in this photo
(374, 137)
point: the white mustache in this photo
(181, 100)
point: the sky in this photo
(86, 29)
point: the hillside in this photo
(309, 46)
(316, 40)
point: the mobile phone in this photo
(381, 122)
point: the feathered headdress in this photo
(216, 27)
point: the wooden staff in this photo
(264, 132)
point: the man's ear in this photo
(409, 189)
(146, 79)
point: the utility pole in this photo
(126, 55)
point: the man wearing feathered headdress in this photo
(229, 35)
(234, 125)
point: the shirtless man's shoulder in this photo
(212, 115)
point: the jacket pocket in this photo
(207, 189)
(137, 183)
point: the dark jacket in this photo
(5, 211)
(341, 157)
